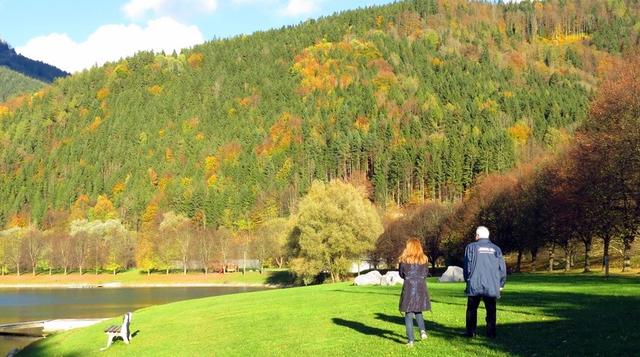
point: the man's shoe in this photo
(410, 344)
(491, 335)
(423, 335)
(468, 335)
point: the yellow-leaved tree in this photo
(336, 225)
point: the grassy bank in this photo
(137, 278)
(539, 314)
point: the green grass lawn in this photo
(538, 315)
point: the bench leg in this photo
(109, 341)
(125, 337)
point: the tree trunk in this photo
(33, 270)
(114, 271)
(50, 272)
(80, 269)
(567, 258)
(18, 269)
(572, 258)
(519, 261)
(65, 270)
(184, 267)
(206, 270)
(605, 258)
(551, 256)
(148, 271)
(167, 271)
(587, 255)
(224, 260)
(244, 262)
(280, 262)
(626, 264)
(534, 259)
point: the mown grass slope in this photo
(538, 315)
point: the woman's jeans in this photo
(408, 321)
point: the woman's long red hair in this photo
(413, 253)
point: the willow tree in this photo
(336, 225)
(178, 229)
(12, 240)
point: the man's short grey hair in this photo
(482, 232)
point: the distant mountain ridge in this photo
(27, 66)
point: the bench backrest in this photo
(126, 321)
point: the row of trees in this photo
(589, 192)
(99, 241)
(99, 245)
(336, 224)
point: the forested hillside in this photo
(12, 83)
(28, 67)
(417, 98)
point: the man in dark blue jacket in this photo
(485, 273)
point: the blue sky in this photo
(76, 34)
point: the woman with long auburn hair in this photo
(415, 295)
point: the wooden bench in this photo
(123, 331)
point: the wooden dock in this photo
(44, 327)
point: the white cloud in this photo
(137, 9)
(110, 43)
(300, 7)
(254, 2)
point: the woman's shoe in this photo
(410, 344)
(423, 335)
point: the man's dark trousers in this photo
(472, 314)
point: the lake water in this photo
(21, 305)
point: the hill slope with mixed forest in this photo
(416, 97)
(12, 83)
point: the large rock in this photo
(391, 278)
(370, 278)
(452, 275)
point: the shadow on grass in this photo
(572, 324)
(368, 292)
(369, 330)
(575, 279)
(281, 277)
(432, 327)
(599, 319)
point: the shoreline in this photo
(116, 285)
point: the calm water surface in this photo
(19, 305)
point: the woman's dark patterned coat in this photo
(415, 295)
